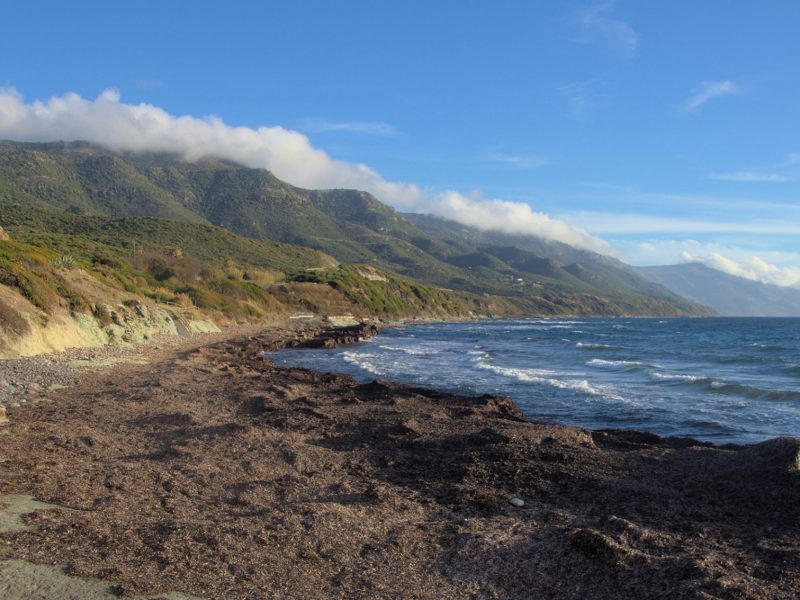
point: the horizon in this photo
(606, 125)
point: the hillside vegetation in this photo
(68, 279)
(197, 266)
(349, 226)
(97, 241)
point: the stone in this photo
(517, 502)
(3, 418)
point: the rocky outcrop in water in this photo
(333, 338)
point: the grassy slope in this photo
(349, 225)
(115, 238)
(196, 267)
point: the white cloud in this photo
(365, 127)
(598, 28)
(517, 161)
(754, 268)
(708, 90)
(140, 127)
(767, 266)
(512, 217)
(289, 154)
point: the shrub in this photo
(160, 270)
(65, 261)
(11, 320)
(102, 314)
(29, 285)
(184, 301)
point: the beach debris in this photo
(517, 502)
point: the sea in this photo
(723, 380)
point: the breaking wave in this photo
(544, 376)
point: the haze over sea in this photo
(716, 379)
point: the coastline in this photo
(212, 472)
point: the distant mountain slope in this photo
(564, 262)
(727, 294)
(351, 226)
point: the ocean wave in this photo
(678, 377)
(521, 374)
(594, 346)
(744, 360)
(768, 347)
(727, 388)
(362, 360)
(546, 377)
(559, 322)
(411, 351)
(706, 425)
(749, 391)
(626, 365)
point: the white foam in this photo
(560, 322)
(677, 377)
(478, 352)
(592, 346)
(599, 362)
(545, 377)
(362, 360)
(411, 351)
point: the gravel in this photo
(38, 378)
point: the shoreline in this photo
(699, 439)
(212, 472)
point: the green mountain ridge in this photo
(349, 225)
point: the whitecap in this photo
(362, 360)
(411, 351)
(544, 376)
(678, 377)
(599, 362)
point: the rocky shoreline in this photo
(212, 472)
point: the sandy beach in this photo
(206, 471)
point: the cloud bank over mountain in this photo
(753, 268)
(289, 154)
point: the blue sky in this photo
(668, 129)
